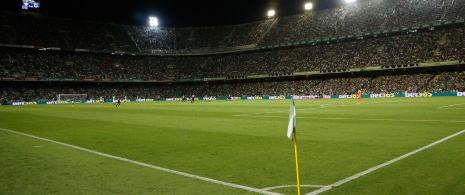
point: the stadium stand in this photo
(333, 49)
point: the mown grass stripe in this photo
(147, 165)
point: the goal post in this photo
(71, 98)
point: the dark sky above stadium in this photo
(177, 13)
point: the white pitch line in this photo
(370, 119)
(19, 110)
(328, 187)
(289, 186)
(450, 105)
(148, 165)
(261, 113)
(318, 107)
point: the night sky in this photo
(175, 13)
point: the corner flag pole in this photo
(296, 162)
(291, 134)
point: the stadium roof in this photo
(177, 13)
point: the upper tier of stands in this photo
(410, 48)
(355, 18)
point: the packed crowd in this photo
(362, 17)
(411, 48)
(428, 45)
(414, 13)
(195, 39)
(454, 11)
(445, 81)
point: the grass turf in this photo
(241, 142)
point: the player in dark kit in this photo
(118, 103)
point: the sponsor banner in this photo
(87, 79)
(281, 97)
(90, 101)
(68, 79)
(273, 97)
(418, 95)
(22, 103)
(382, 95)
(207, 98)
(387, 95)
(143, 100)
(31, 79)
(348, 96)
(254, 97)
(301, 97)
(70, 102)
(115, 100)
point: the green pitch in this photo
(237, 147)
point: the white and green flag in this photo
(292, 121)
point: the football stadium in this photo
(367, 97)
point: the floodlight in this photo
(153, 21)
(271, 13)
(308, 6)
(350, 1)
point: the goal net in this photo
(71, 98)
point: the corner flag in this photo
(292, 122)
(291, 134)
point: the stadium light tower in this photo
(271, 13)
(153, 21)
(350, 1)
(308, 6)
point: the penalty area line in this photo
(146, 165)
(328, 187)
